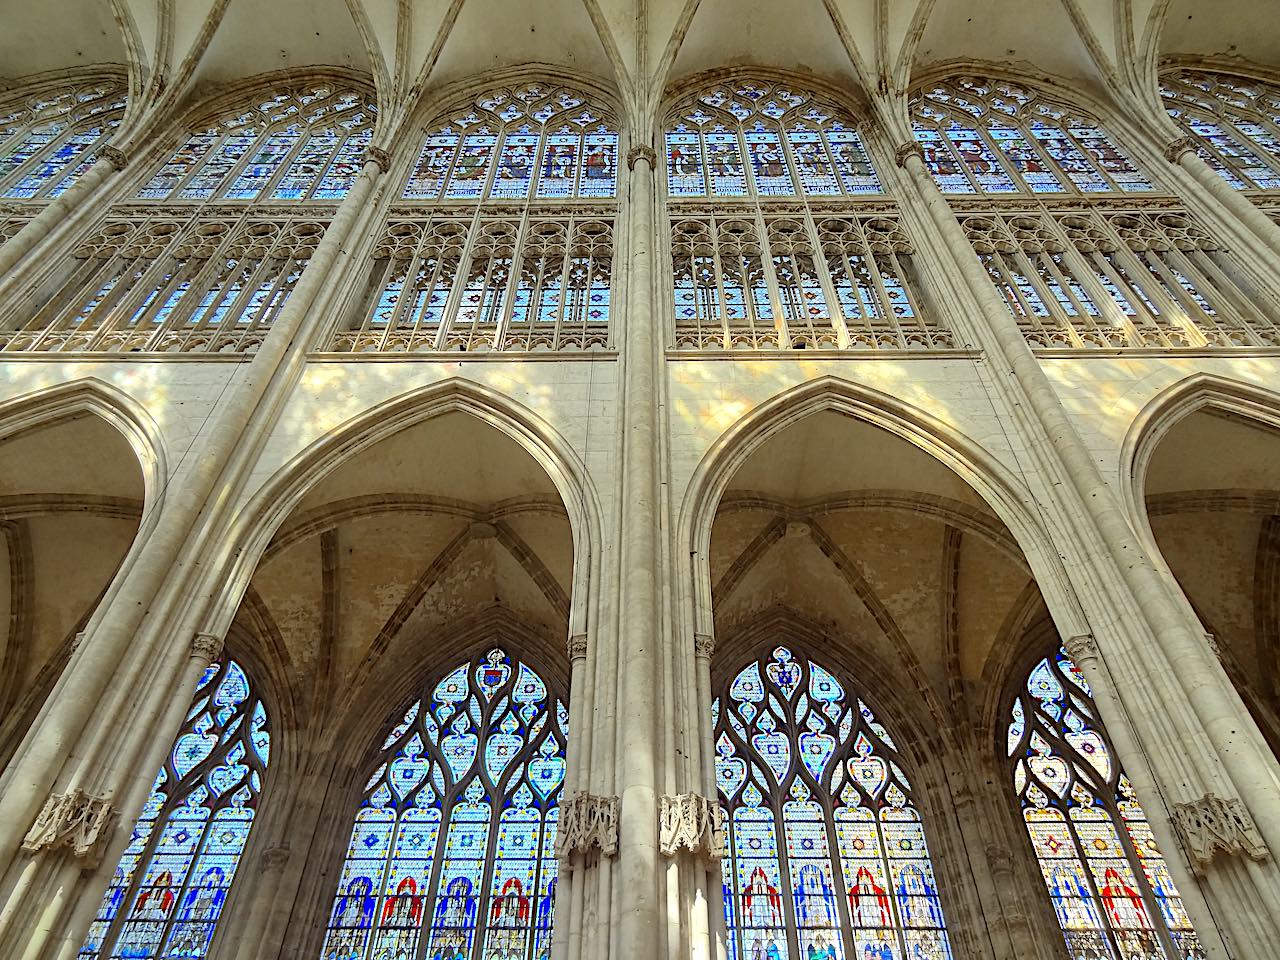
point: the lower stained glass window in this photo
(171, 883)
(452, 856)
(1110, 886)
(826, 856)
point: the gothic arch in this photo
(991, 481)
(268, 508)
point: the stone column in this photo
(111, 160)
(639, 933)
(1195, 704)
(117, 677)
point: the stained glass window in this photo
(171, 884)
(756, 138)
(826, 856)
(532, 142)
(1234, 121)
(452, 856)
(293, 145)
(989, 136)
(48, 138)
(1110, 886)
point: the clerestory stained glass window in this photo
(826, 856)
(293, 145)
(452, 856)
(992, 136)
(48, 138)
(757, 138)
(1234, 121)
(1109, 884)
(171, 884)
(536, 141)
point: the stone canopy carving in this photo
(588, 823)
(1213, 825)
(690, 822)
(74, 819)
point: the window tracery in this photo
(996, 137)
(171, 884)
(826, 855)
(49, 138)
(1118, 279)
(453, 849)
(1234, 122)
(293, 145)
(781, 237)
(1110, 886)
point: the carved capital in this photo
(704, 645)
(690, 822)
(1212, 825)
(77, 640)
(206, 647)
(645, 153)
(1174, 150)
(588, 823)
(908, 149)
(274, 858)
(1212, 642)
(74, 819)
(378, 156)
(578, 646)
(1081, 648)
(114, 156)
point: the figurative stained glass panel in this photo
(452, 856)
(1234, 121)
(825, 856)
(1109, 885)
(1004, 138)
(170, 886)
(758, 138)
(49, 138)
(536, 141)
(293, 145)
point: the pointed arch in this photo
(993, 483)
(269, 507)
(453, 845)
(825, 852)
(1109, 883)
(170, 886)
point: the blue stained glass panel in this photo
(471, 169)
(599, 178)
(685, 177)
(769, 167)
(432, 168)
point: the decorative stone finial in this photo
(1174, 150)
(206, 647)
(909, 149)
(644, 153)
(74, 819)
(588, 822)
(1213, 825)
(690, 822)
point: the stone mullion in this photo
(126, 664)
(1205, 717)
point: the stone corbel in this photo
(588, 823)
(690, 822)
(642, 152)
(1213, 825)
(74, 819)
(909, 149)
(1174, 150)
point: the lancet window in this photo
(171, 884)
(1234, 122)
(1109, 884)
(826, 855)
(781, 235)
(49, 137)
(453, 850)
(503, 236)
(292, 145)
(996, 137)
(1122, 279)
